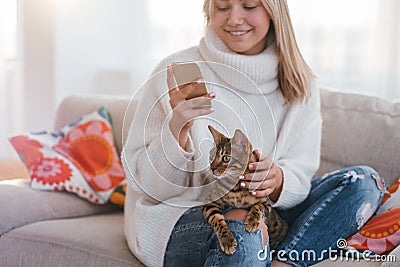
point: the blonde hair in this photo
(294, 75)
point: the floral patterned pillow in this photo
(391, 199)
(82, 158)
(381, 234)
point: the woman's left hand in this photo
(267, 180)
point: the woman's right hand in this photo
(185, 111)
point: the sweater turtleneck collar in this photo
(260, 69)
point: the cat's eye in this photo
(226, 159)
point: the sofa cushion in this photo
(87, 241)
(346, 262)
(122, 111)
(395, 258)
(382, 233)
(360, 130)
(82, 158)
(21, 205)
(96, 240)
(391, 199)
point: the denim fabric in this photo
(189, 241)
(338, 205)
(193, 243)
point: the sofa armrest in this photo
(21, 205)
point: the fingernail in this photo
(199, 81)
(212, 94)
(242, 184)
(241, 177)
(251, 166)
(254, 193)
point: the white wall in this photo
(26, 77)
(70, 47)
(11, 113)
(353, 48)
(38, 59)
(110, 46)
(3, 92)
(97, 46)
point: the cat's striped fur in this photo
(229, 159)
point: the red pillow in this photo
(381, 234)
(82, 158)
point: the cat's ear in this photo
(216, 134)
(240, 139)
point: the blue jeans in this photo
(338, 205)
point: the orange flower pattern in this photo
(381, 234)
(82, 159)
(90, 147)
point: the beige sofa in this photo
(39, 228)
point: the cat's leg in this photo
(250, 250)
(255, 215)
(213, 215)
(241, 214)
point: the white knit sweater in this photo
(165, 180)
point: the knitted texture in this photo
(165, 180)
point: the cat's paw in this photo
(228, 244)
(251, 224)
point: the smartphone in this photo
(187, 72)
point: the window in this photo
(174, 25)
(9, 116)
(8, 26)
(351, 45)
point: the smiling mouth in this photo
(238, 33)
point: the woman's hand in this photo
(267, 180)
(185, 111)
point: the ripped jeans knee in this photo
(338, 205)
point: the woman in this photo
(258, 82)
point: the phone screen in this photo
(188, 72)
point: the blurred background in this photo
(50, 49)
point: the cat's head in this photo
(229, 156)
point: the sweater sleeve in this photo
(152, 158)
(300, 159)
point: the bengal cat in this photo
(229, 159)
